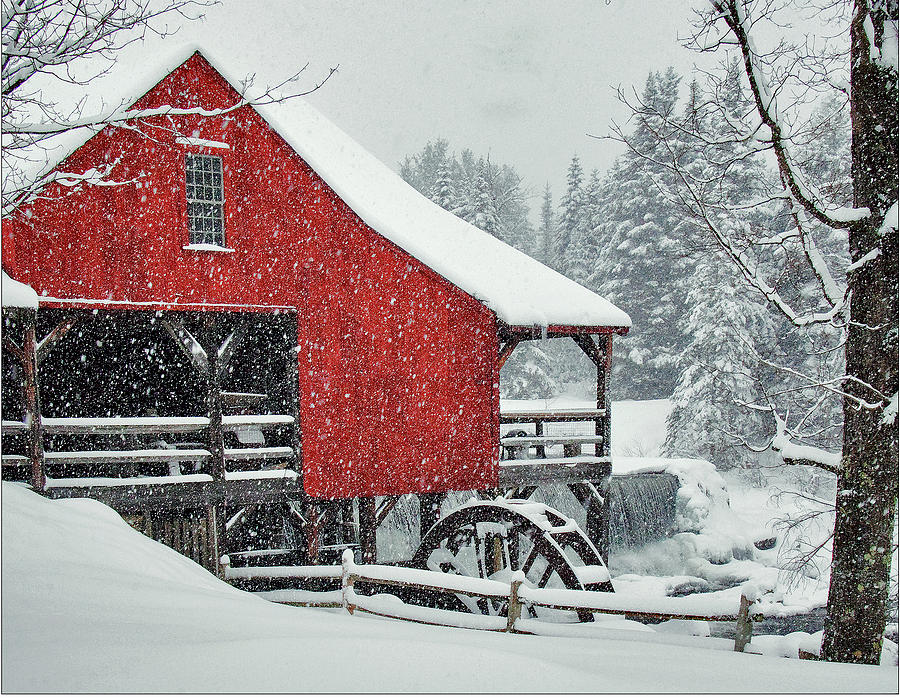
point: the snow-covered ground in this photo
(91, 605)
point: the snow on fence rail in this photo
(514, 593)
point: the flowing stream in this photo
(642, 508)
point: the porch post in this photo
(367, 530)
(600, 512)
(33, 405)
(313, 516)
(216, 434)
(604, 366)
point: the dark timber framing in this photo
(183, 513)
(209, 340)
(588, 481)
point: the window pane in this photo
(204, 187)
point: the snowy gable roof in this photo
(519, 289)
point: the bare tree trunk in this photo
(867, 483)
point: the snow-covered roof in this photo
(519, 289)
(15, 294)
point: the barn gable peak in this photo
(521, 291)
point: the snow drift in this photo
(90, 605)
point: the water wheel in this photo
(491, 540)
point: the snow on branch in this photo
(74, 42)
(802, 455)
(733, 13)
(46, 36)
(270, 95)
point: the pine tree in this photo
(728, 328)
(570, 216)
(421, 169)
(584, 248)
(642, 239)
(547, 230)
(443, 193)
(484, 212)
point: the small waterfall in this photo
(642, 508)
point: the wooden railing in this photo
(513, 596)
(525, 457)
(142, 426)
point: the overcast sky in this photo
(525, 80)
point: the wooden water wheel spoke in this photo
(479, 556)
(529, 561)
(487, 540)
(546, 577)
(513, 550)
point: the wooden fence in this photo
(512, 597)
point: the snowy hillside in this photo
(91, 605)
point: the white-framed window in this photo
(205, 199)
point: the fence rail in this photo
(142, 426)
(515, 593)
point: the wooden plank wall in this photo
(187, 531)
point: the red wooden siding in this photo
(397, 366)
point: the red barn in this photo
(403, 313)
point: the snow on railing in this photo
(514, 593)
(160, 453)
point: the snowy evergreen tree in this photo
(489, 196)
(483, 212)
(584, 247)
(547, 229)
(641, 265)
(530, 373)
(728, 327)
(422, 169)
(567, 229)
(443, 193)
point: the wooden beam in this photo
(216, 433)
(313, 522)
(180, 495)
(215, 540)
(594, 498)
(188, 344)
(538, 470)
(576, 414)
(586, 344)
(507, 350)
(57, 333)
(14, 349)
(385, 507)
(32, 401)
(429, 511)
(368, 525)
(553, 331)
(523, 492)
(226, 351)
(293, 373)
(604, 401)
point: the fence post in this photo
(347, 581)
(514, 607)
(744, 628)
